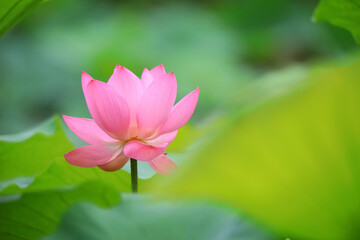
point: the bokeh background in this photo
(271, 152)
(217, 45)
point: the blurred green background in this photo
(217, 45)
(271, 152)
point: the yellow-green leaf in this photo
(292, 163)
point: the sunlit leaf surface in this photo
(292, 163)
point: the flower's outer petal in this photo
(87, 130)
(109, 109)
(146, 77)
(143, 152)
(158, 71)
(115, 164)
(90, 156)
(163, 165)
(155, 104)
(162, 139)
(85, 79)
(181, 112)
(131, 88)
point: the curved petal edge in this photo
(90, 156)
(181, 112)
(87, 130)
(163, 165)
(143, 152)
(109, 109)
(115, 164)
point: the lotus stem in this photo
(134, 175)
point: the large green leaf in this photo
(292, 163)
(134, 219)
(34, 170)
(342, 13)
(61, 174)
(28, 153)
(33, 161)
(35, 215)
(12, 11)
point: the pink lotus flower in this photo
(132, 118)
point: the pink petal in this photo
(90, 156)
(146, 77)
(85, 79)
(158, 71)
(163, 165)
(181, 113)
(164, 138)
(155, 104)
(87, 130)
(109, 109)
(143, 152)
(115, 164)
(130, 87)
(126, 82)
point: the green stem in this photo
(134, 175)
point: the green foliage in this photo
(34, 198)
(61, 174)
(138, 219)
(219, 47)
(291, 163)
(31, 152)
(342, 13)
(288, 159)
(12, 11)
(37, 214)
(38, 185)
(36, 163)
